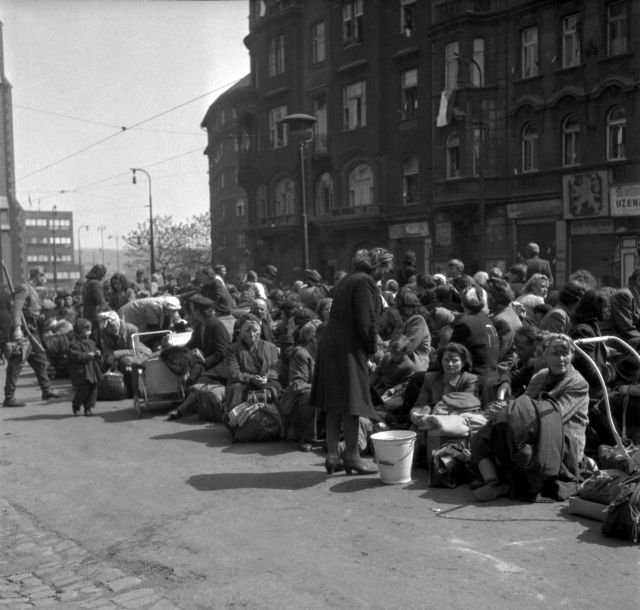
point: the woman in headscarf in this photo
(252, 365)
(341, 380)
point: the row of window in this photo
(360, 184)
(43, 241)
(45, 258)
(616, 126)
(58, 223)
(571, 51)
(240, 240)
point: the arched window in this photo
(324, 194)
(360, 186)
(285, 197)
(410, 180)
(616, 133)
(529, 148)
(570, 141)
(453, 155)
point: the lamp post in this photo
(54, 211)
(480, 169)
(302, 126)
(101, 228)
(85, 227)
(152, 260)
(117, 238)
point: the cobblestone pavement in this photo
(39, 568)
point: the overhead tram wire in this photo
(123, 130)
(75, 118)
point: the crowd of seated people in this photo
(500, 345)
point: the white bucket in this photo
(394, 455)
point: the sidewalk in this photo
(39, 568)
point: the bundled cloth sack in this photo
(254, 420)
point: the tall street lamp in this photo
(85, 227)
(117, 238)
(102, 228)
(54, 211)
(480, 170)
(152, 259)
(301, 126)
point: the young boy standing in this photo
(84, 368)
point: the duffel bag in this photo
(622, 519)
(112, 387)
(253, 422)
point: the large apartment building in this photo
(454, 128)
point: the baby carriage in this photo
(154, 384)
(626, 453)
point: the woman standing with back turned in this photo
(341, 381)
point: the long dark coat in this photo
(83, 368)
(341, 378)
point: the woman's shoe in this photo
(88, 412)
(359, 466)
(333, 465)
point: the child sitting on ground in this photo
(84, 368)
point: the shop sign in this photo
(534, 209)
(625, 200)
(592, 227)
(411, 229)
(585, 195)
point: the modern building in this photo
(48, 242)
(454, 128)
(11, 249)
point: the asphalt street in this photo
(113, 511)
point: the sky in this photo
(82, 70)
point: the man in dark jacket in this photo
(27, 314)
(535, 264)
(625, 311)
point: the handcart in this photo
(625, 452)
(154, 384)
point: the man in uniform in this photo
(27, 308)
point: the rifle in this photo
(35, 342)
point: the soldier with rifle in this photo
(26, 343)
